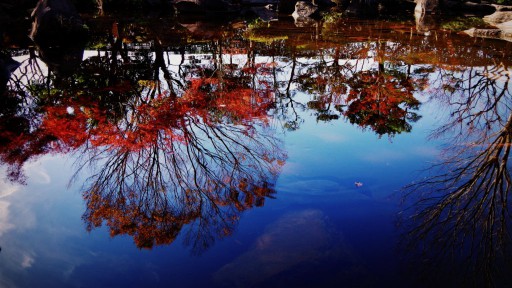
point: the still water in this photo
(261, 154)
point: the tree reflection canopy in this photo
(185, 136)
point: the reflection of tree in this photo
(461, 212)
(343, 81)
(180, 149)
(189, 169)
(326, 81)
(111, 79)
(153, 192)
(19, 118)
(477, 93)
(198, 159)
(382, 101)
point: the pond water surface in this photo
(337, 154)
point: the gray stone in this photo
(502, 7)
(304, 9)
(506, 30)
(486, 33)
(498, 17)
(265, 13)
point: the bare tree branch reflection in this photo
(196, 160)
(461, 211)
(205, 180)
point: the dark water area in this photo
(329, 152)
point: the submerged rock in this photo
(299, 246)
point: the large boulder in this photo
(501, 19)
(300, 249)
(265, 13)
(498, 17)
(55, 23)
(502, 7)
(506, 30)
(59, 34)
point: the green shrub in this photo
(504, 2)
(461, 24)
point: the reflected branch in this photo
(461, 212)
(198, 160)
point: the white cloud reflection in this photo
(384, 156)
(332, 137)
(27, 261)
(36, 173)
(5, 225)
(6, 189)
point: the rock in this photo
(62, 60)
(424, 22)
(485, 33)
(426, 6)
(303, 12)
(265, 13)
(56, 22)
(299, 246)
(304, 9)
(304, 21)
(502, 7)
(498, 17)
(59, 34)
(506, 30)
(503, 31)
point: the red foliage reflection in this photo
(382, 102)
